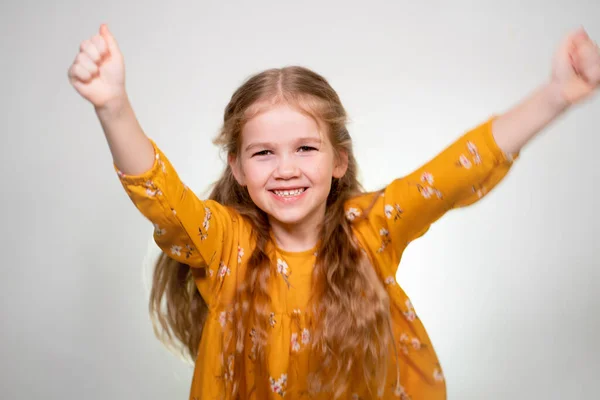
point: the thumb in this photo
(111, 42)
(569, 44)
(581, 33)
(576, 38)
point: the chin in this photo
(288, 218)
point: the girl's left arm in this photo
(477, 161)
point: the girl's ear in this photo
(236, 169)
(341, 165)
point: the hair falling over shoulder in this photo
(350, 309)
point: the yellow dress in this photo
(194, 231)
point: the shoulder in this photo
(360, 206)
(376, 205)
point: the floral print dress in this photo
(205, 234)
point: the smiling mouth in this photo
(289, 193)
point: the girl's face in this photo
(287, 166)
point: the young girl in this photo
(282, 284)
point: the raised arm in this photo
(98, 75)
(477, 161)
(189, 230)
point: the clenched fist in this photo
(98, 72)
(576, 67)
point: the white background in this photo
(508, 288)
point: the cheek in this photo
(256, 173)
(318, 170)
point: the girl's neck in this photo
(296, 237)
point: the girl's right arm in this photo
(186, 229)
(98, 75)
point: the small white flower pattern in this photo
(387, 210)
(282, 267)
(151, 189)
(176, 250)
(403, 340)
(240, 254)
(297, 340)
(406, 343)
(224, 317)
(385, 239)
(158, 231)
(416, 343)
(162, 165)
(278, 386)
(427, 177)
(426, 187)
(465, 162)
(409, 314)
(473, 150)
(305, 336)
(252, 335)
(398, 390)
(283, 270)
(188, 251)
(228, 374)
(295, 345)
(394, 210)
(480, 190)
(223, 270)
(352, 213)
(203, 231)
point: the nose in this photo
(287, 168)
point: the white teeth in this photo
(288, 193)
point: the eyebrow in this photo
(308, 139)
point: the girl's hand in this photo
(576, 68)
(98, 72)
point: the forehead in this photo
(278, 124)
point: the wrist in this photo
(554, 97)
(114, 107)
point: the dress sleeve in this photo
(458, 176)
(187, 229)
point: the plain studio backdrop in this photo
(508, 288)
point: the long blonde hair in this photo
(349, 306)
